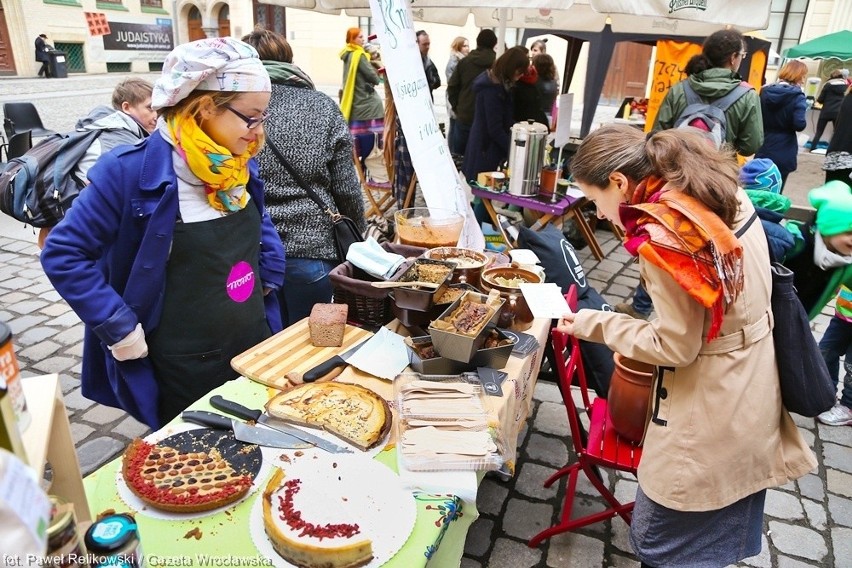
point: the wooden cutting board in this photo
(280, 360)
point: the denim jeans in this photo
(642, 301)
(837, 341)
(306, 283)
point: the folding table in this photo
(564, 207)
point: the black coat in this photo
(432, 76)
(830, 98)
(783, 107)
(528, 103)
(459, 88)
(40, 50)
(841, 140)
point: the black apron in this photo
(212, 308)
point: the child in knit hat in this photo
(760, 174)
(761, 180)
(833, 203)
(822, 258)
(169, 254)
(822, 264)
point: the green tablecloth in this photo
(438, 536)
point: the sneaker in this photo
(838, 415)
(626, 308)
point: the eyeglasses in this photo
(251, 121)
(744, 54)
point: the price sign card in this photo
(545, 300)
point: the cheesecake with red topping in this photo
(311, 525)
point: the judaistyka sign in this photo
(135, 37)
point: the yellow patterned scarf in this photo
(213, 164)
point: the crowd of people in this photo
(174, 254)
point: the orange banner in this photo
(757, 69)
(672, 57)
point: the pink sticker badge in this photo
(240, 282)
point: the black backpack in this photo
(38, 187)
(709, 117)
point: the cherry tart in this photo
(181, 482)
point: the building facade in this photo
(100, 36)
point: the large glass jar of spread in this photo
(114, 541)
(64, 544)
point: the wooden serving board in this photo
(279, 361)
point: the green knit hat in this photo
(833, 202)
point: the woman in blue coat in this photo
(783, 107)
(168, 256)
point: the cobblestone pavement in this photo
(808, 523)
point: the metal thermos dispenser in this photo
(526, 157)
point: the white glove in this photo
(131, 347)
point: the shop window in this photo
(111, 5)
(270, 17)
(74, 60)
(152, 7)
(118, 67)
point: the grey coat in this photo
(308, 128)
(117, 129)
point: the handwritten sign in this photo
(563, 125)
(672, 57)
(438, 177)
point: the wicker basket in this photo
(368, 306)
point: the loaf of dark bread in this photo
(327, 323)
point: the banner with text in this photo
(672, 57)
(438, 177)
(124, 36)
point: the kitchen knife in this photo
(243, 432)
(237, 409)
(332, 367)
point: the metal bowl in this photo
(469, 263)
(515, 314)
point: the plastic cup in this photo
(428, 227)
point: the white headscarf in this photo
(212, 64)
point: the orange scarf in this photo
(679, 234)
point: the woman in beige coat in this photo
(718, 435)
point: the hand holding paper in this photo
(566, 324)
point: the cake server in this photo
(383, 355)
(237, 409)
(327, 368)
(243, 432)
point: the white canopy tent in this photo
(416, 113)
(685, 17)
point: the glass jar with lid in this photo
(114, 541)
(64, 545)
